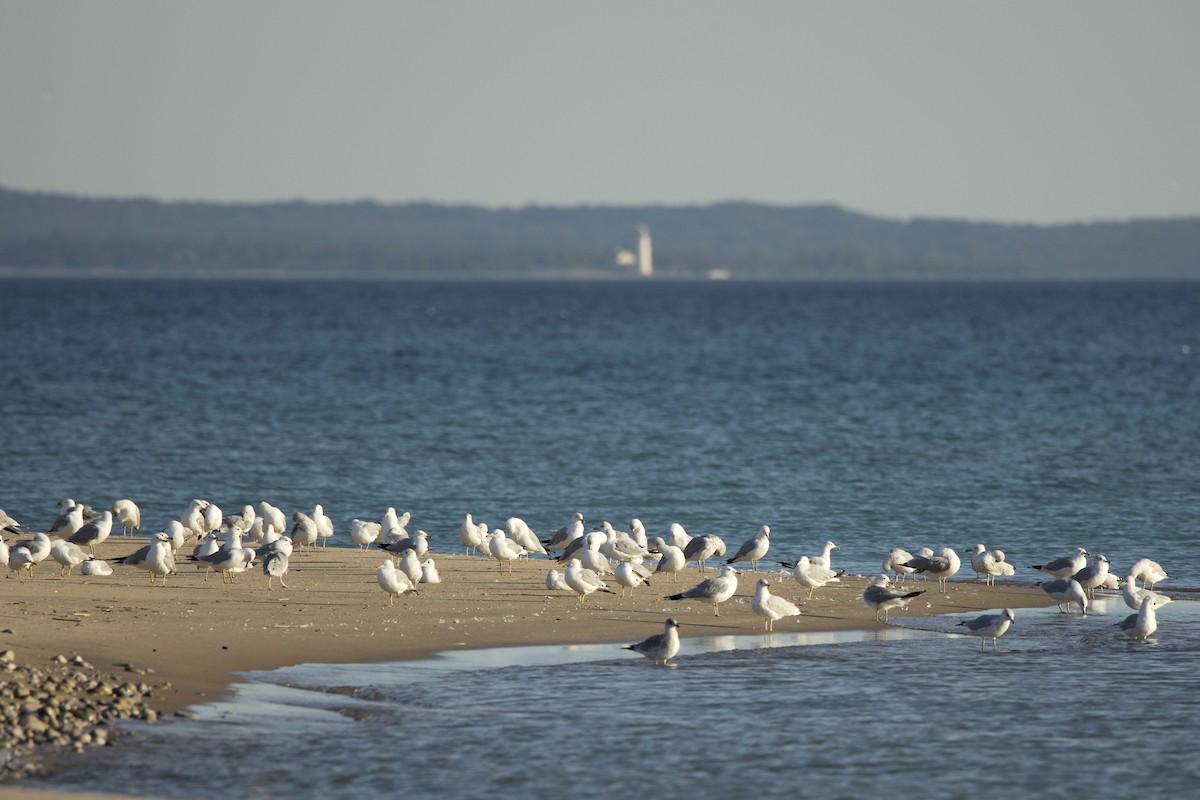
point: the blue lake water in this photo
(1030, 417)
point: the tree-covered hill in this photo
(45, 232)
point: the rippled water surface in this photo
(1033, 418)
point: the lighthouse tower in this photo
(645, 253)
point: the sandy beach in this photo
(188, 639)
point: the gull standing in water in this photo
(660, 647)
(753, 548)
(770, 607)
(1066, 591)
(1132, 594)
(129, 515)
(990, 626)
(1144, 623)
(1093, 575)
(882, 598)
(712, 590)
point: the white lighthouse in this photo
(645, 252)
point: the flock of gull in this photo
(262, 537)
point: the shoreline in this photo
(190, 640)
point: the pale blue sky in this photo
(1005, 111)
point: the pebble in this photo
(66, 705)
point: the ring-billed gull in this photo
(193, 518)
(555, 581)
(38, 548)
(393, 581)
(825, 557)
(156, 558)
(630, 576)
(364, 533)
(272, 516)
(93, 533)
(702, 548)
(754, 548)
(771, 607)
(896, 560)
(1068, 592)
(990, 626)
(714, 590)
(620, 546)
(324, 524)
(520, 532)
(1093, 575)
(677, 536)
(638, 531)
(941, 566)
(671, 559)
(882, 598)
(97, 567)
(68, 522)
(304, 531)
(1148, 572)
(1132, 594)
(1144, 623)
(660, 647)
(989, 563)
(429, 572)
(243, 520)
(591, 557)
(812, 576)
(68, 555)
(9, 524)
(213, 516)
(583, 581)
(469, 535)
(1064, 567)
(504, 551)
(566, 534)
(410, 565)
(275, 565)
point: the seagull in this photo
(944, 564)
(304, 531)
(990, 626)
(213, 517)
(1144, 623)
(702, 548)
(810, 575)
(504, 551)
(324, 524)
(95, 566)
(631, 576)
(93, 533)
(68, 554)
(583, 581)
(989, 564)
(638, 531)
(824, 558)
(275, 565)
(1066, 591)
(620, 546)
(69, 521)
(156, 558)
(19, 558)
(555, 581)
(671, 559)
(714, 590)
(1093, 575)
(243, 520)
(9, 524)
(677, 536)
(470, 535)
(429, 573)
(660, 647)
(410, 565)
(1148, 572)
(193, 518)
(566, 534)
(37, 547)
(520, 533)
(393, 581)
(1064, 568)
(896, 561)
(364, 533)
(882, 598)
(771, 607)
(272, 516)
(1132, 594)
(753, 548)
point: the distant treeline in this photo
(44, 232)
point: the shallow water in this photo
(1062, 702)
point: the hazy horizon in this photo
(1014, 113)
